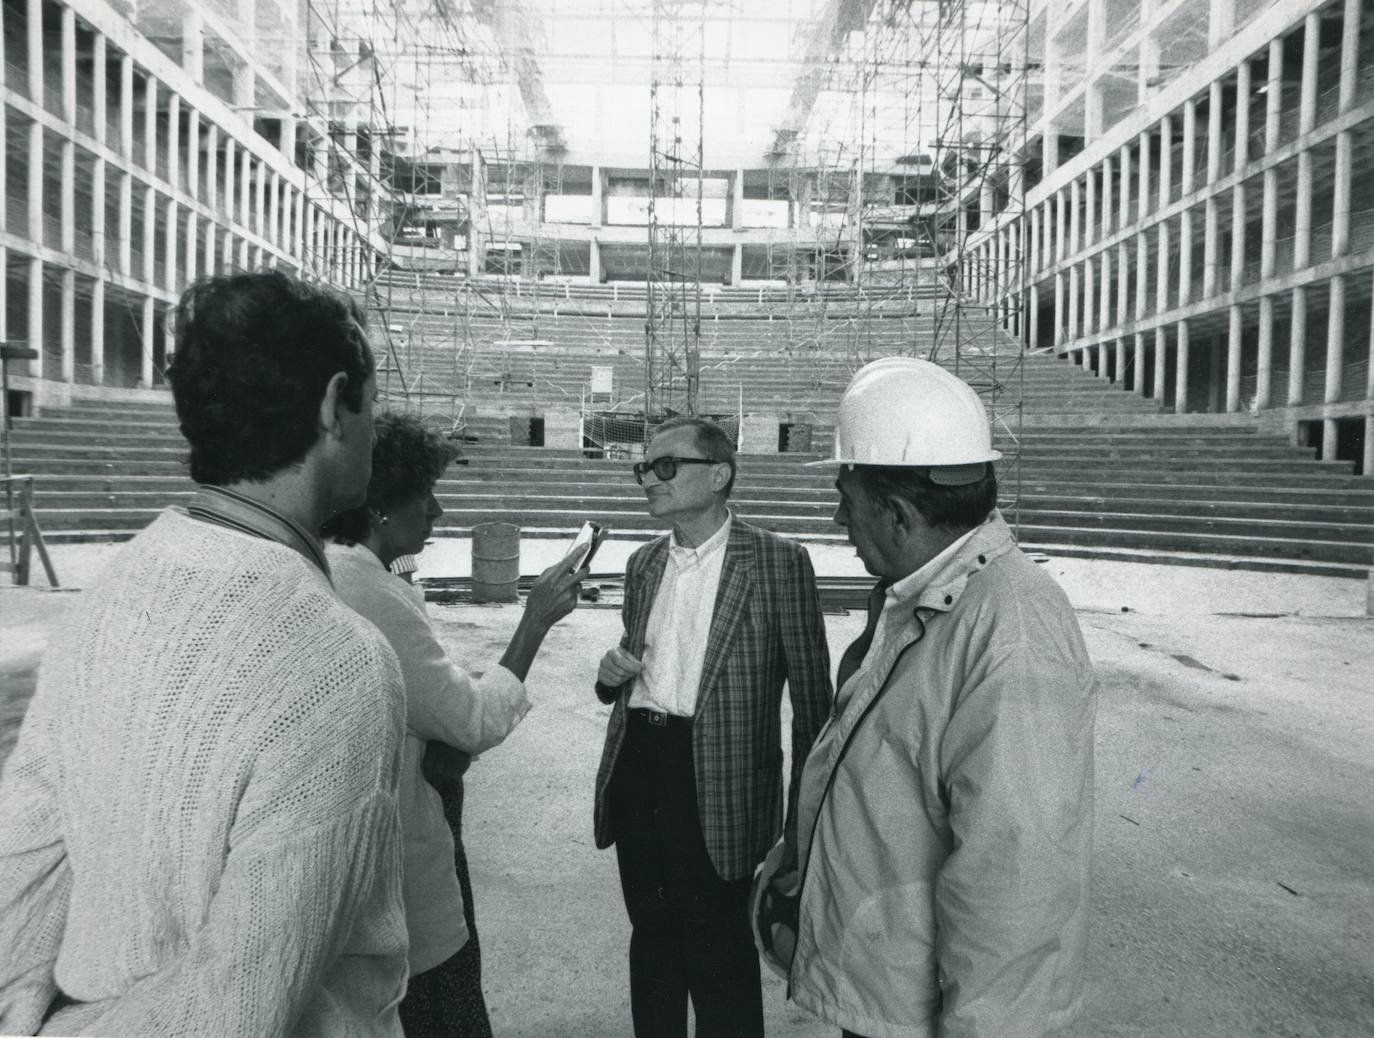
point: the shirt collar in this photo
(715, 543)
(225, 507)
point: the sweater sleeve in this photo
(313, 868)
(35, 877)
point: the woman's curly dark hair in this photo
(407, 460)
(254, 353)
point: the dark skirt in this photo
(446, 1001)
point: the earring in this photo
(382, 518)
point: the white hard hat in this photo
(902, 411)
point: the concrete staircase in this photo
(1096, 473)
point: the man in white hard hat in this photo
(945, 814)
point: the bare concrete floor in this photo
(1233, 890)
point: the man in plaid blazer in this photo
(718, 615)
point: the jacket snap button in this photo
(982, 560)
(949, 599)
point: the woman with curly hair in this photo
(450, 715)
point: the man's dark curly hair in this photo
(407, 460)
(254, 353)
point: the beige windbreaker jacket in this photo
(945, 817)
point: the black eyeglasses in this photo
(665, 468)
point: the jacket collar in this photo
(990, 541)
(225, 507)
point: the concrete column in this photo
(1107, 211)
(1033, 257)
(1311, 54)
(35, 329)
(1368, 467)
(298, 224)
(1061, 229)
(1090, 233)
(274, 236)
(170, 244)
(1123, 283)
(1233, 361)
(1161, 386)
(98, 216)
(1181, 370)
(1335, 344)
(1089, 298)
(1269, 223)
(1221, 21)
(100, 99)
(126, 223)
(126, 108)
(1166, 161)
(212, 265)
(193, 154)
(1138, 379)
(34, 25)
(1143, 208)
(1033, 316)
(1237, 236)
(98, 332)
(1340, 206)
(1142, 272)
(1124, 161)
(68, 323)
(193, 44)
(737, 201)
(1105, 290)
(1185, 256)
(1242, 153)
(68, 67)
(1302, 217)
(1075, 217)
(245, 210)
(1214, 102)
(1297, 346)
(1264, 370)
(1060, 313)
(150, 90)
(1273, 97)
(230, 165)
(1073, 330)
(67, 199)
(35, 185)
(174, 141)
(312, 238)
(594, 261)
(1162, 269)
(192, 240)
(1210, 223)
(1188, 173)
(146, 327)
(1350, 53)
(1119, 372)
(260, 201)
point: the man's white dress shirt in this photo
(679, 626)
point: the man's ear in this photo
(902, 514)
(716, 470)
(330, 423)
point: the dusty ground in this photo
(1235, 807)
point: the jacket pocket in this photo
(887, 958)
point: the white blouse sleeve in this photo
(443, 702)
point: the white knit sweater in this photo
(198, 827)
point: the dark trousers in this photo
(690, 928)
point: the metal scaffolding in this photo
(672, 326)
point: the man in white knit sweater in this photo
(198, 827)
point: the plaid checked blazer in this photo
(766, 630)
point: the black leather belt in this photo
(658, 719)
